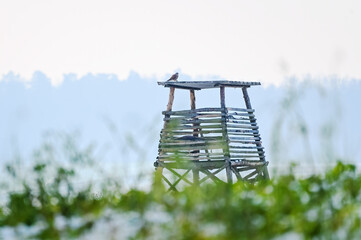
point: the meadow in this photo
(51, 205)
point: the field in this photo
(49, 204)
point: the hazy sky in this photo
(238, 40)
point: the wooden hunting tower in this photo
(219, 144)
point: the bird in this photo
(173, 77)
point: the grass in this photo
(323, 206)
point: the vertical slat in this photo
(222, 95)
(226, 153)
(171, 98)
(193, 106)
(195, 134)
(253, 120)
(193, 99)
(159, 170)
(170, 104)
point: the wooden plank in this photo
(248, 163)
(180, 118)
(187, 154)
(243, 142)
(240, 156)
(196, 115)
(213, 120)
(237, 151)
(172, 155)
(244, 138)
(242, 134)
(193, 121)
(241, 122)
(241, 131)
(191, 143)
(198, 159)
(189, 138)
(210, 164)
(245, 147)
(185, 127)
(233, 125)
(236, 114)
(230, 132)
(206, 159)
(245, 168)
(178, 135)
(219, 126)
(192, 164)
(190, 148)
(198, 85)
(204, 116)
(187, 132)
(251, 175)
(232, 109)
(203, 111)
(198, 110)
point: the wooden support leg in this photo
(211, 175)
(195, 134)
(159, 171)
(256, 133)
(227, 156)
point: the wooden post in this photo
(193, 99)
(226, 153)
(159, 171)
(170, 103)
(195, 134)
(222, 94)
(253, 120)
(171, 98)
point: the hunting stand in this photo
(196, 145)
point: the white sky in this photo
(238, 40)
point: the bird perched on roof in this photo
(174, 77)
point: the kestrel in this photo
(173, 77)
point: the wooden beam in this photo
(179, 179)
(227, 156)
(159, 170)
(222, 95)
(193, 99)
(211, 175)
(170, 100)
(171, 187)
(238, 175)
(253, 120)
(180, 176)
(195, 134)
(251, 174)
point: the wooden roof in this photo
(198, 85)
